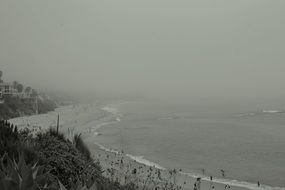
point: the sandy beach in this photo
(87, 119)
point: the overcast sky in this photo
(156, 47)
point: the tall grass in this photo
(53, 132)
(81, 147)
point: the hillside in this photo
(15, 107)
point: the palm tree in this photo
(34, 93)
(15, 84)
(20, 88)
(28, 90)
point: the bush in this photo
(46, 105)
(13, 144)
(20, 175)
(81, 147)
(64, 161)
(15, 107)
(54, 133)
(60, 160)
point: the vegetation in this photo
(47, 161)
(1, 74)
(50, 161)
(20, 176)
(62, 159)
(57, 157)
(15, 107)
(20, 88)
(46, 105)
(79, 144)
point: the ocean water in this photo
(246, 140)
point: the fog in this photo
(155, 48)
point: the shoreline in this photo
(89, 124)
(217, 182)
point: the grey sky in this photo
(171, 47)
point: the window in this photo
(7, 89)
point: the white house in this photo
(7, 89)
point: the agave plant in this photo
(78, 186)
(20, 176)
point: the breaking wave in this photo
(231, 182)
(140, 159)
(263, 112)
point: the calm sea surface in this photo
(246, 140)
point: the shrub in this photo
(46, 105)
(60, 160)
(53, 132)
(12, 143)
(15, 107)
(81, 147)
(20, 176)
(64, 161)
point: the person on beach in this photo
(258, 184)
(198, 183)
(195, 186)
(223, 172)
(211, 183)
(227, 187)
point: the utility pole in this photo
(37, 106)
(57, 126)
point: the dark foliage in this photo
(64, 161)
(52, 132)
(46, 105)
(59, 160)
(15, 107)
(81, 147)
(12, 144)
(20, 176)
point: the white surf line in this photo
(112, 110)
(140, 159)
(231, 182)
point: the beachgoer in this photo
(195, 186)
(211, 182)
(258, 184)
(223, 173)
(198, 183)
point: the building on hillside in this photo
(7, 89)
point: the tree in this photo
(34, 93)
(1, 74)
(28, 90)
(20, 88)
(15, 84)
